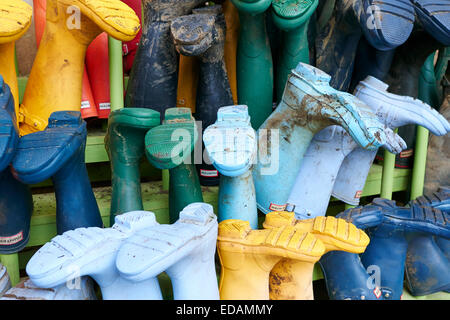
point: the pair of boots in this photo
(278, 262)
(379, 272)
(348, 165)
(135, 131)
(124, 260)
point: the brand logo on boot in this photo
(377, 292)
(406, 153)
(358, 194)
(277, 207)
(209, 173)
(8, 241)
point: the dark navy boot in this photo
(202, 34)
(389, 241)
(435, 18)
(58, 152)
(154, 75)
(345, 276)
(9, 133)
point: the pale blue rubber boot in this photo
(92, 252)
(5, 281)
(184, 250)
(394, 111)
(308, 105)
(231, 145)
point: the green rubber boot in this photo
(170, 146)
(254, 60)
(292, 17)
(124, 143)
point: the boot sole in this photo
(427, 15)
(15, 19)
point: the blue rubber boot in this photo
(389, 241)
(435, 18)
(5, 282)
(92, 252)
(16, 207)
(427, 260)
(345, 276)
(58, 153)
(9, 133)
(385, 24)
(184, 250)
(309, 105)
(231, 145)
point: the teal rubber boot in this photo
(169, 146)
(254, 60)
(125, 143)
(292, 17)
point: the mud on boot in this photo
(184, 250)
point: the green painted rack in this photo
(381, 180)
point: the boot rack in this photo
(383, 179)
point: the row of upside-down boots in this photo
(317, 140)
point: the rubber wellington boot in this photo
(129, 48)
(16, 206)
(309, 105)
(92, 252)
(9, 131)
(70, 27)
(125, 144)
(169, 146)
(27, 290)
(202, 34)
(231, 144)
(292, 17)
(434, 16)
(399, 227)
(385, 24)
(184, 250)
(247, 256)
(254, 60)
(394, 111)
(5, 283)
(427, 260)
(154, 75)
(58, 152)
(345, 276)
(15, 19)
(97, 64)
(231, 43)
(292, 280)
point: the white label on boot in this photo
(104, 106)
(7, 241)
(277, 207)
(406, 153)
(209, 173)
(85, 104)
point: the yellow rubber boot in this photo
(15, 19)
(187, 82)
(247, 256)
(55, 81)
(231, 42)
(291, 279)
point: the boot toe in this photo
(15, 19)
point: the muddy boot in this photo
(5, 283)
(202, 34)
(427, 260)
(154, 75)
(9, 131)
(125, 144)
(92, 252)
(231, 144)
(385, 24)
(254, 60)
(399, 227)
(292, 17)
(345, 276)
(15, 19)
(309, 105)
(394, 111)
(403, 80)
(247, 256)
(434, 16)
(16, 207)
(58, 153)
(71, 26)
(169, 146)
(292, 280)
(184, 250)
